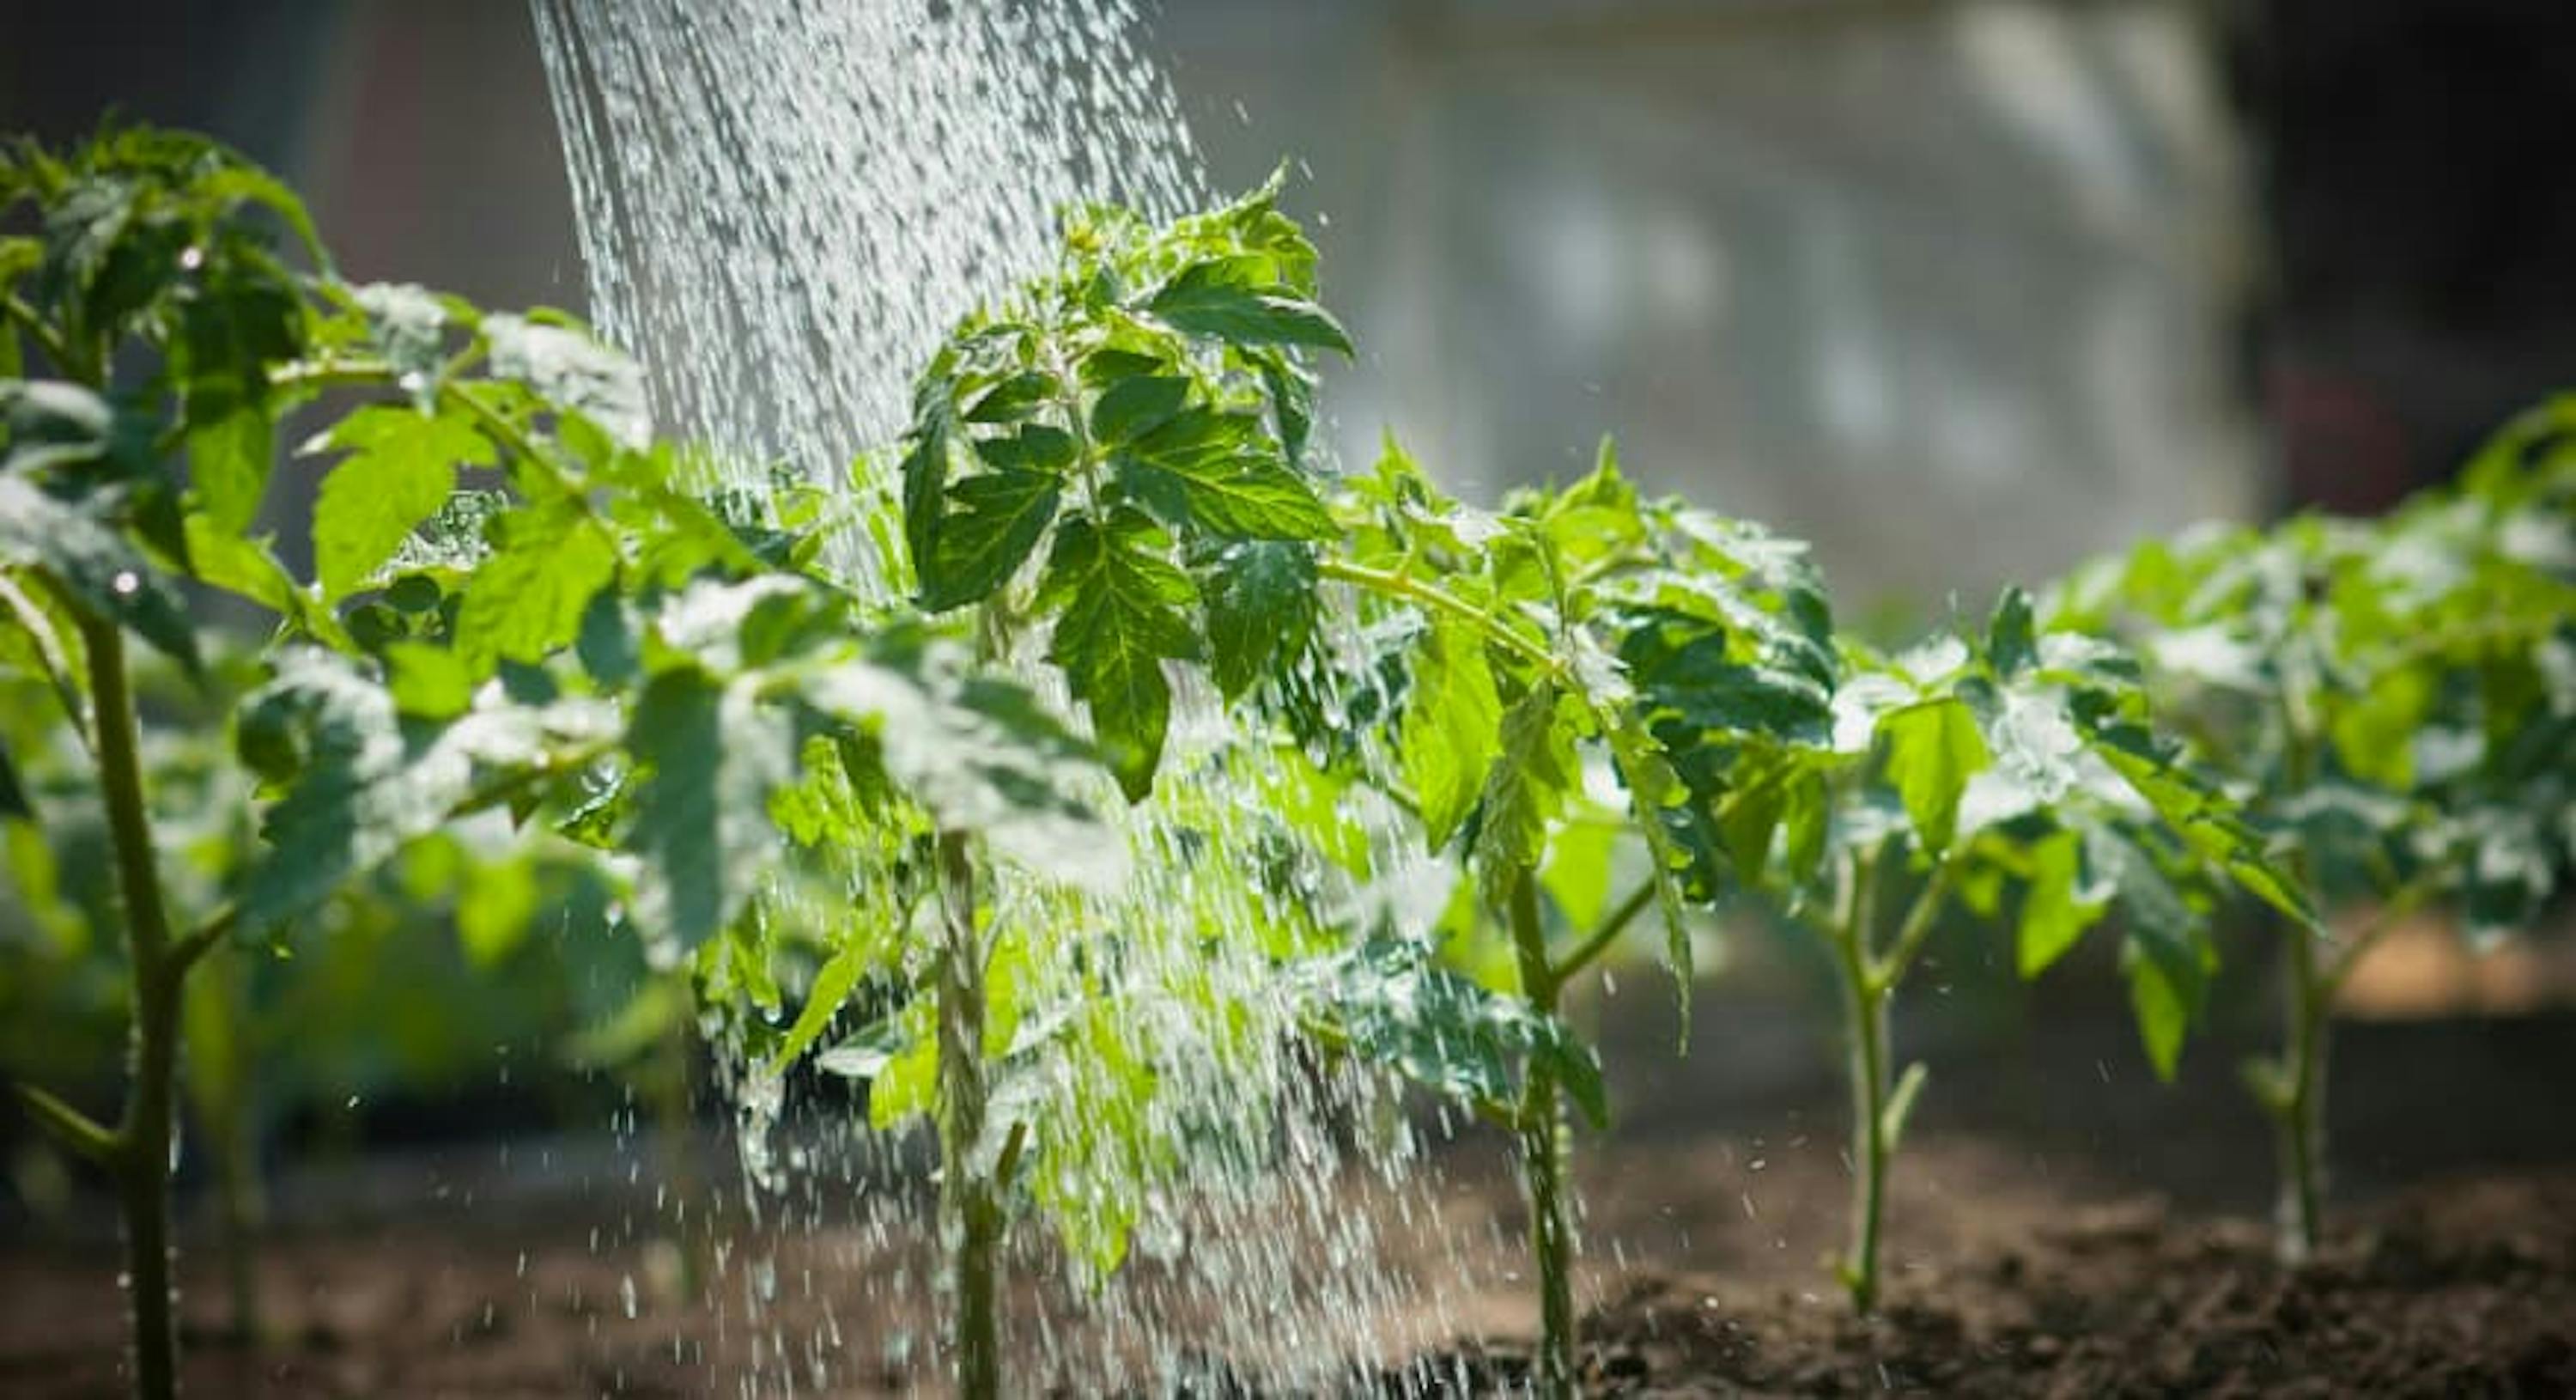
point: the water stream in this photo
(784, 206)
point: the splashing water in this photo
(784, 207)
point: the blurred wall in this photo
(420, 132)
(1959, 288)
(1950, 288)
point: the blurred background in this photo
(1960, 289)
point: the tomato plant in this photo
(1983, 762)
(2394, 697)
(573, 658)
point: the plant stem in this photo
(1865, 997)
(244, 1209)
(2299, 1110)
(143, 1148)
(1612, 925)
(2296, 1100)
(1542, 1132)
(970, 1210)
(219, 1082)
(1390, 584)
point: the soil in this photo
(2461, 1288)
(2050, 1234)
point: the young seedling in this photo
(1973, 764)
(1109, 463)
(1514, 678)
(2395, 697)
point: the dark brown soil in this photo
(2056, 1228)
(2464, 1288)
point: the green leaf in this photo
(400, 469)
(1040, 447)
(1452, 721)
(1533, 769)
(496, 905)
(335, 735)
(701, 811)
(1233, 299)
(572, 371)
(1261, 610)
(1933, 748)
(247, 567)
(979, 753)
(359, 786)
(1134, 406)
(925, 477)
(1292, 403)
(228, 462)
(1387, 1004)
(2374, 732)
(869, 1054)
(1121, 616)
(1659, 798)
(2011, 643)
(54, 425)
(1000, 517)
(527, 597)
(833, 983)
(428, 680)
(13, 789)
(1212, 470)
(2060, 906)
(407, 324)
(1576, 876)
(89, 560)
(1014, 398)
(2163, 1004)
(2205, 819)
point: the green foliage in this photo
(2392, 696)
(2392, 701)
(1115, 452)
(585, 669)
(1390, 1004)
(538, 663)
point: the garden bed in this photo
(2046, 1240)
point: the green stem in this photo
(970, 1208)
(1543, 1140)
(219, 1077)
(2407, 899)
(670, 1088)
(1390, 584)
(202, 939)
(2299, 1111)
(1865, 998)
(46, 340)
(144, 1135)
(1886, 972)
(2297, 1098)
(1612, 925)
(74, 1131)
